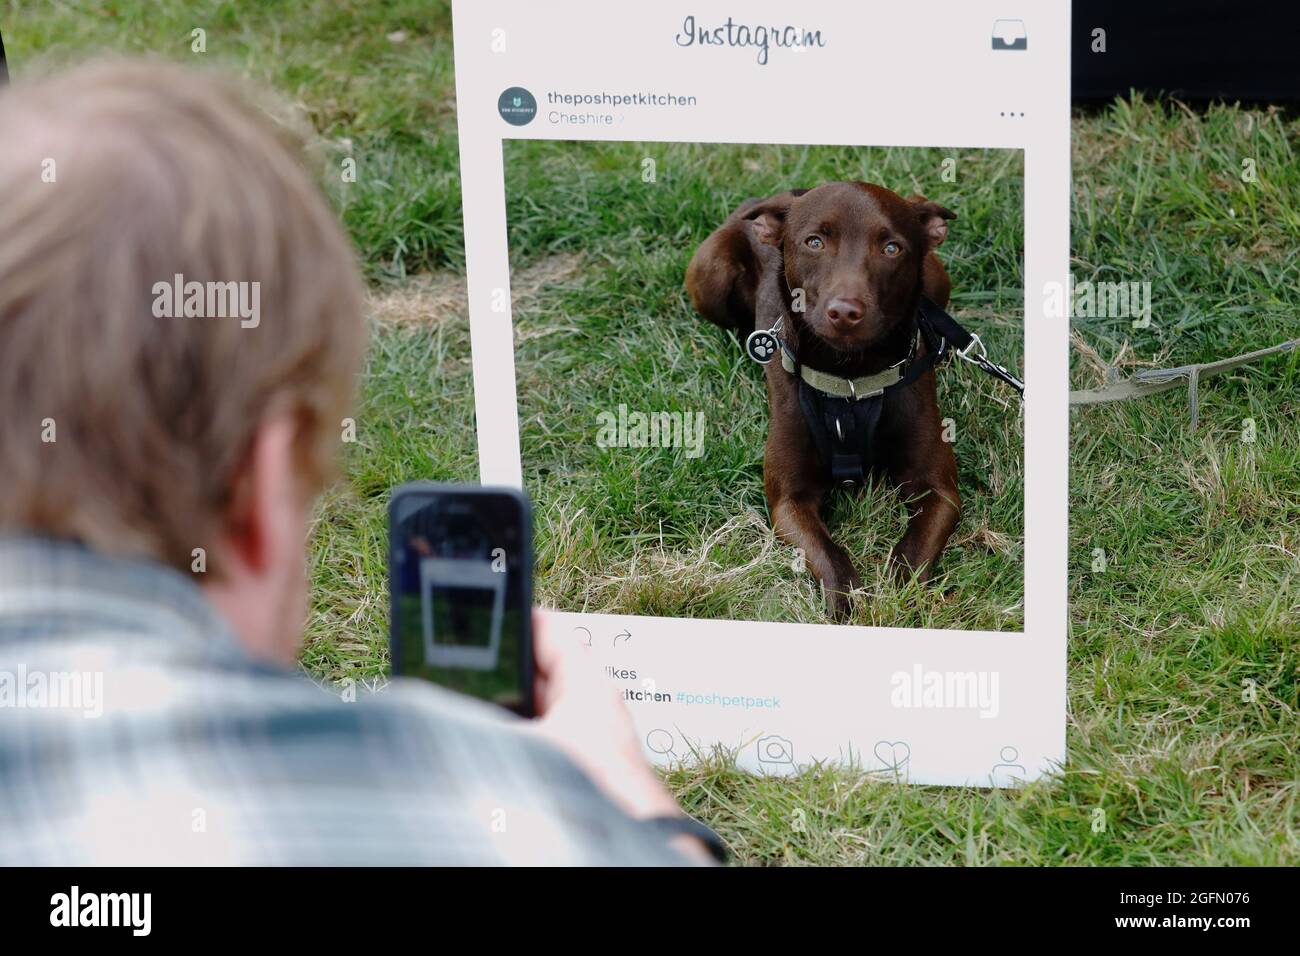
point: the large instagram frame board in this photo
(927, 706)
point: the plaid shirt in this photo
(134, 730)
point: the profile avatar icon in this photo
(517, 106)
(1008, 773)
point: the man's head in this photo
(856, 251)
(143, 209)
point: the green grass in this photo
(659, 531)
(374, 78)
(1201, 530)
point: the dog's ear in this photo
(768, 217)
(934, 220)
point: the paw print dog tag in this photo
(761, 346)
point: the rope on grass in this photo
(1154, 380)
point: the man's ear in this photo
(934, 220)
(768, 218)
(262, 589)
(264, 500)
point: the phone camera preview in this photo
(461, 577)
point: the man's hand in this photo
(582, 715)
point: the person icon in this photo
(1008, 773)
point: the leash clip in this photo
(981, 358)
(983, 363)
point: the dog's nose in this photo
(845, 311)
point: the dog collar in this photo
(942, 335)
(763, 344)
(854, 389)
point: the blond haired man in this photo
(180, 328)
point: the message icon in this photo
(1010, 35)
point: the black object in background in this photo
(4, 69)
(1195, 50)
(460, 579)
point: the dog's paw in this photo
(839, 604)
(908, 568)
(839, 597)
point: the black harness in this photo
(844, 426)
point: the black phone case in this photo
(424, 490)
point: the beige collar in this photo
(856, 389)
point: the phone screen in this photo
(462, 599)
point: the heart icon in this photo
(894, 754)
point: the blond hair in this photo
(119, 428)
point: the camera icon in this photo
(775, 749)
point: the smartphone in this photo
(461, 585)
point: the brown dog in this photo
(843, 267)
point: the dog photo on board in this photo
(774, 383)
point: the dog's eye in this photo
(892, 249)
(814, 242)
